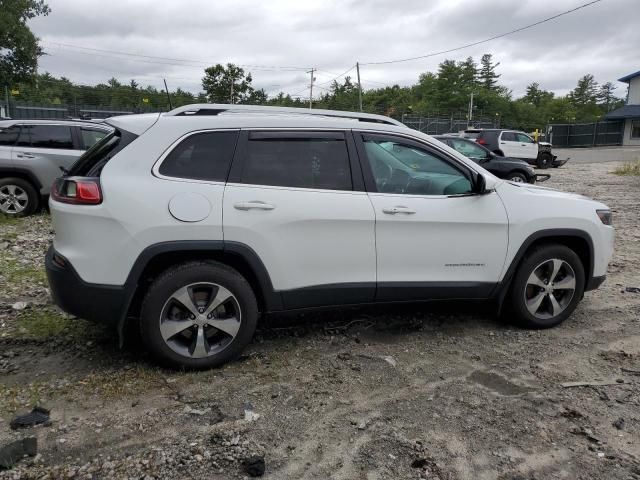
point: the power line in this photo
(182, 62)
(337, 76)
(567, 12)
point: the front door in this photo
(291, 197)
(434, 238)
(528, 148)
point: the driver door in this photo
(434, 238)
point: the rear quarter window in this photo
(201, 156)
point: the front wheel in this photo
(517, 177)
(544, 160)
(547, 287)
(198, 315)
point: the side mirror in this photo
(480, 185)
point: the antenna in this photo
(166, 89)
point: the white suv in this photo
(198, 220)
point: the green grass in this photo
(8, 220)
(43, 322)
(18, 274)
(629, 168)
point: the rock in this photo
(254, 466)
(619, 423)
(13, 452)
(390, 360)
(20, 305)
(37, 416)
(251, 416)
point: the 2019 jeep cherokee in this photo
(198, 220)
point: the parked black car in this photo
(515, 144)
(503, 167)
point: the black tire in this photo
(518, 292)
(22, 186)
(186, 274)
(544, 160)
(517, 177)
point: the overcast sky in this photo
(331, 35)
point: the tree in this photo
(487, 75)
(227, 85)
(606, 97)
(536, 96)
(586, 92)
(19, 49)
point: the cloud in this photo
(331, 35)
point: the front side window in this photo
(468, 149)
(508, 137)
(8, 136)
(46, 136)
(635, 128)
(302, 160)
(401, 167)
(202, 156)
(523, 138)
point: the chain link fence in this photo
(438, 125)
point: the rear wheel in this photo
(544, 160)
(198, 315)
(547, 287)
(18, 197)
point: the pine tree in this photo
(488, 76)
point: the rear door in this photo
(297, 199)
(45, 149)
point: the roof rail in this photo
(218, 108)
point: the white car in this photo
(199, 220)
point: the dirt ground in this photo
(420, 391)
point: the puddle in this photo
(497, 383)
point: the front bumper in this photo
(91, 301)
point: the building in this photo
(630, 113)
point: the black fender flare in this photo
(272, 298)
(502, 288)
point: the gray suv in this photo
(33, 153)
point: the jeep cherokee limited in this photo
(196, 221)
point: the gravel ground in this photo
(433, 392)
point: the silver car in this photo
(33, 153)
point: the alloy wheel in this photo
(13, 199)
(200, 320)
(550, 289)
(517, 179)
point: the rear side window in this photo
(508, 137)
(91, 162)
(46, 136)
(298, 160)
(8, 136)
(202, 156)
(91, 136)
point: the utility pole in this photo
(311, 88)
(359, 86)
(231, 97)
(471, 109)
(6, 99)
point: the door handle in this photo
(25, 155)
(255, 205)
(502, 143)
(398, 209)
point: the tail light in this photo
(481, 141)
(77, 190)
